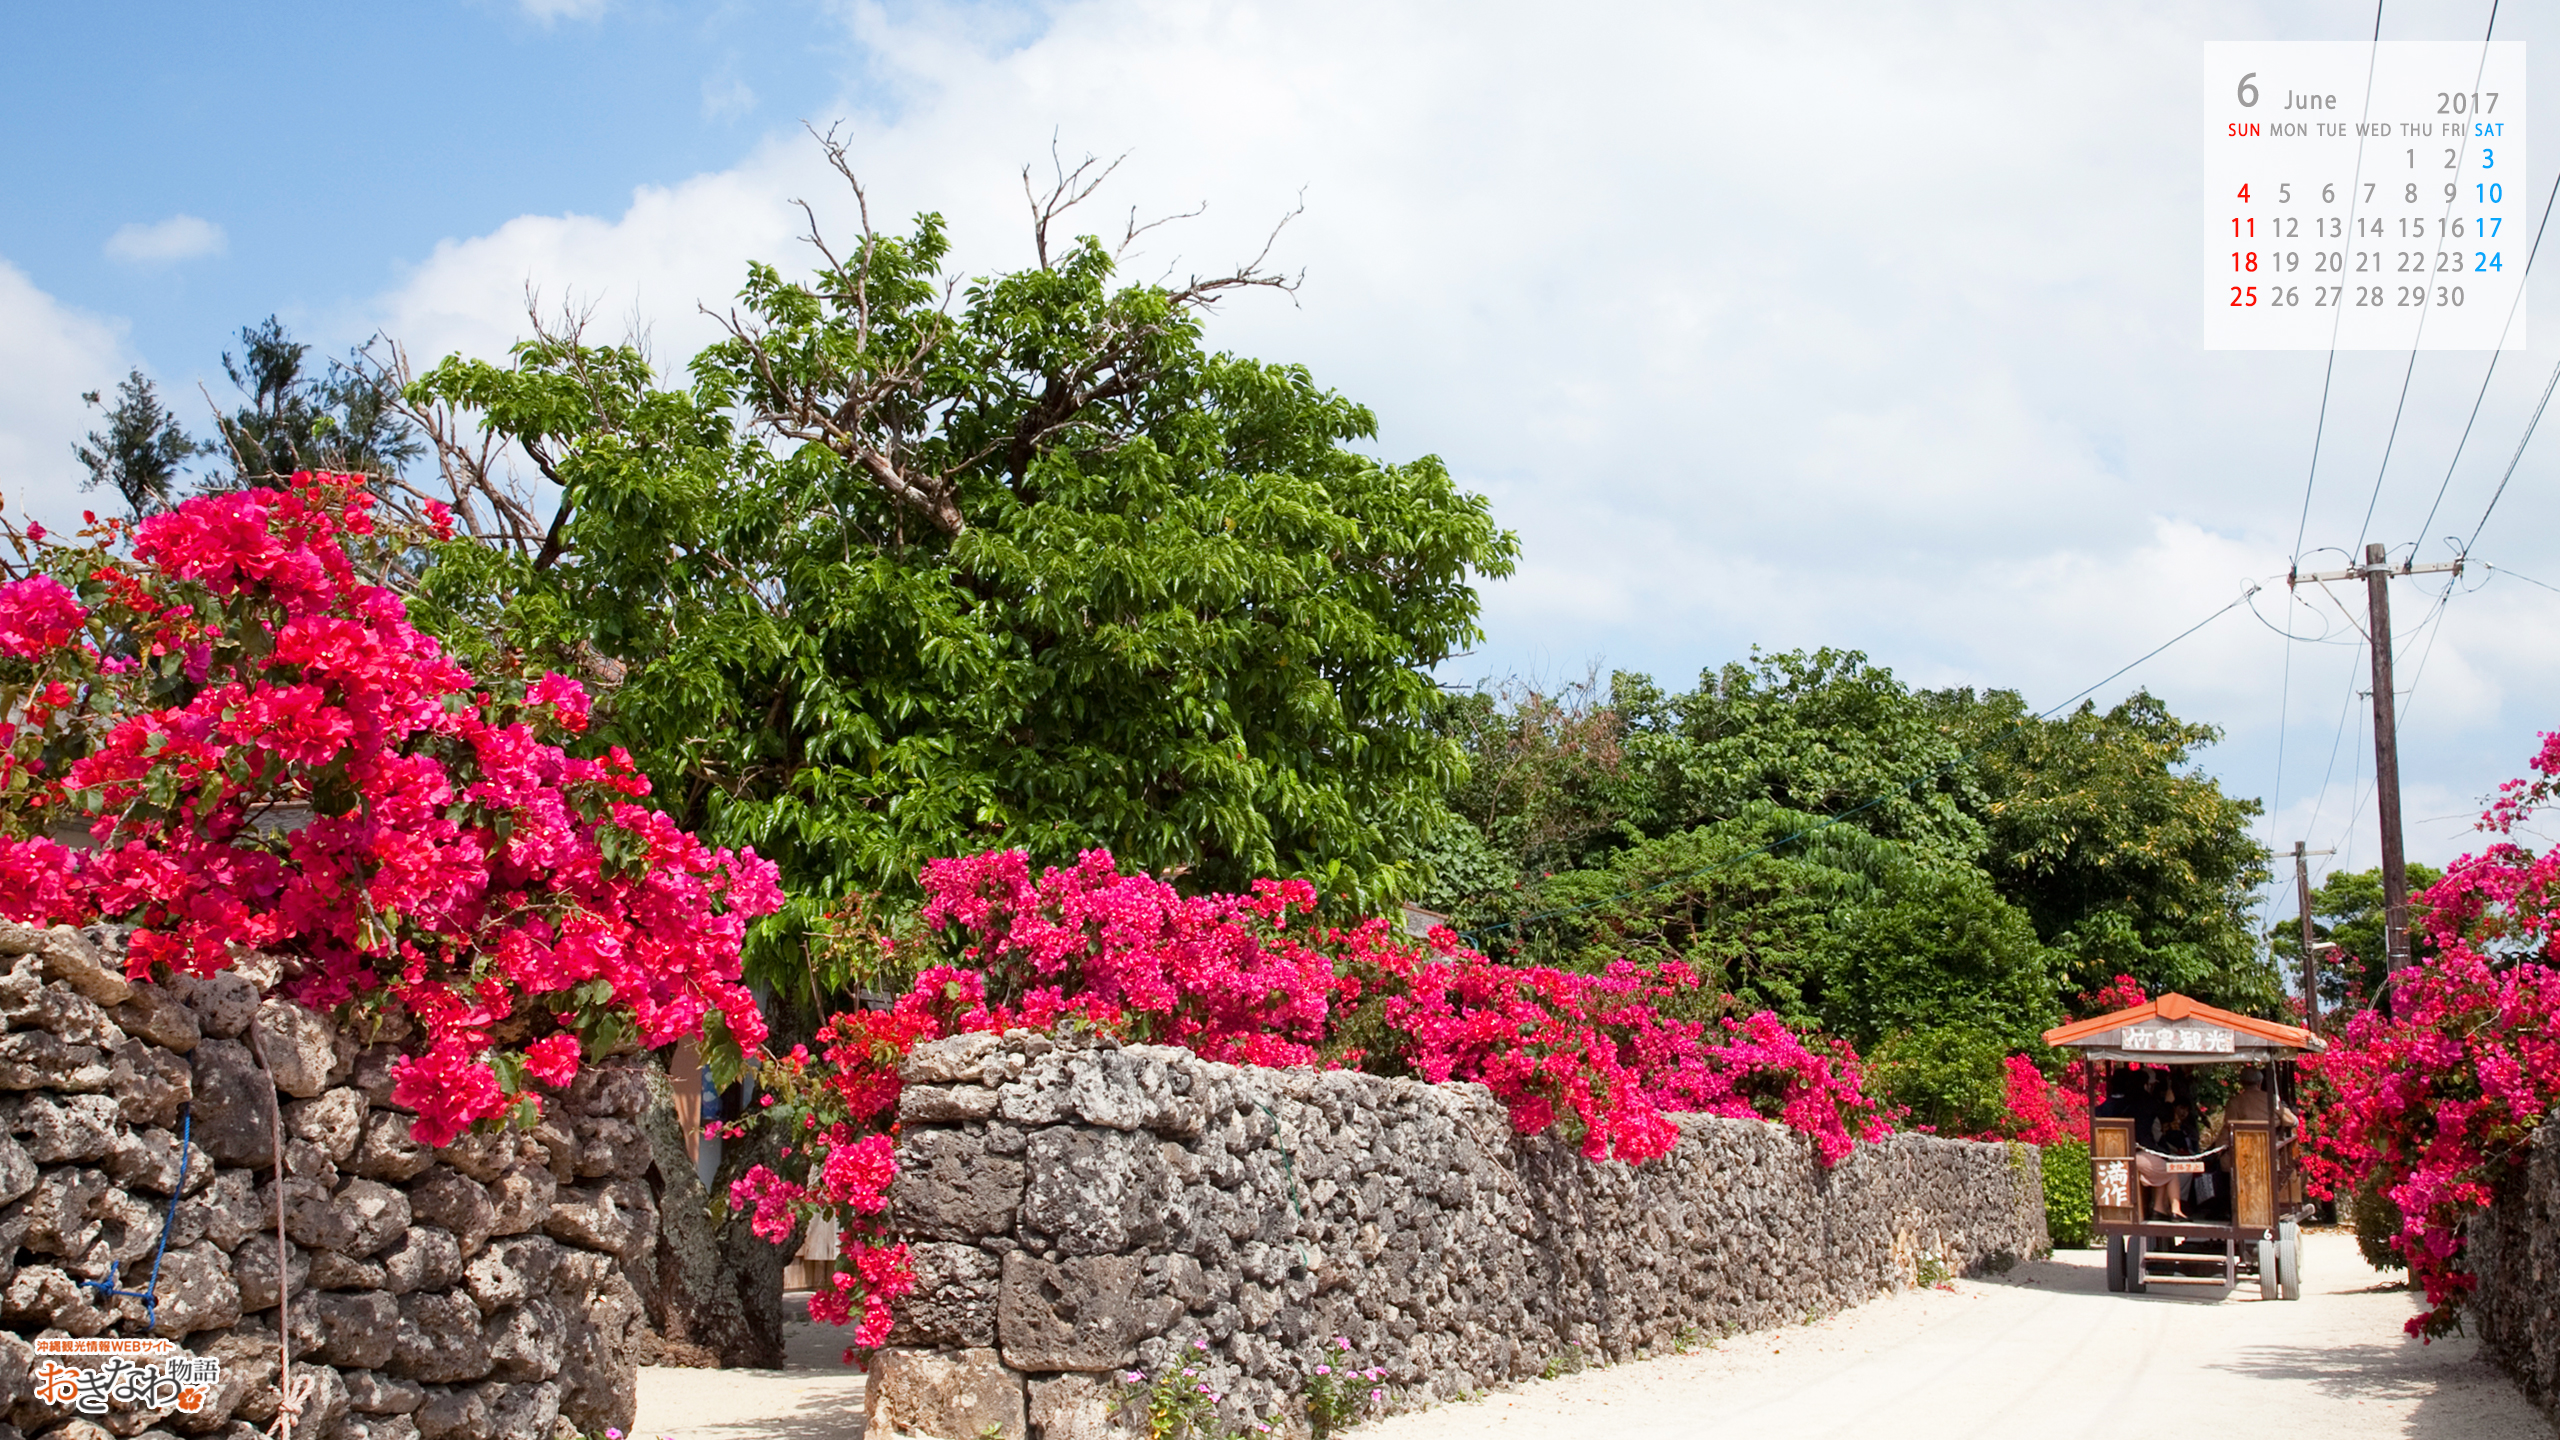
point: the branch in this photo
(1069, 190)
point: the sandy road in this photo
(2043, 1353)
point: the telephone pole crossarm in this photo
(2367, 571)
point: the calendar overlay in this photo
(2388, 221)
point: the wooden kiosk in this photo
(2255, 1161)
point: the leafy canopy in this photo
(913, 569)
(1816, 838)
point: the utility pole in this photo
(2376, 573)
(2310, 954)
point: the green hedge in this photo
(2377, 1221)
(2067, 1196)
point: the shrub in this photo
(460, 875)
(1953, 1080)
(2069, 1216)
(2377, 1225)
(2436, 1103)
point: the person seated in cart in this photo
(2253, 1103)
(2166, 1134)
(2250, 1102)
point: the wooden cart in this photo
(2262, 1233)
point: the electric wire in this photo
(1475, 936)
(2513, 460)
(2320, 425)
(2520, 575)
(2425, 308)
(2539, 230)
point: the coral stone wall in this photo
(474, 1292)
(2515, 1250)
(1077, 1210)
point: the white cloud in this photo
(1798, 325)
(49, 354)
(547, 11)
(180, 237)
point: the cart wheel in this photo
(2289, 1253)
(2135, 1280)
(2269, 1264)
(2115, 1263)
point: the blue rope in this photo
(149, 1295)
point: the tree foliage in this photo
(345, 417)
(913, 568)
(141, 453)
(1816, 838)
(2346, 911)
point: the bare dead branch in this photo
(1068, 189)
(1135, 229)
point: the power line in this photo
(2320, 426)
(2495, 355)
(1906, 787)
(2520, 575)
(2515, 459)
(2365, 528)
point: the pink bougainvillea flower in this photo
(454, 860)
(553, 1060)
(37, 615)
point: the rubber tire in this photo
(2289, 1251)
(2270, 1266)
(2115, 1264)
(2135, 1281)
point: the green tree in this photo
(2127, 857)
(2346, 910)
(347, 417)
(913, 568)
(140, 453)
(1829, 926)
(1763, 823)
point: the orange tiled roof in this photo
(2174, 1008)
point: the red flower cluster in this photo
(2043, 1111)
(1252, 979)
(2435, 1103)
(238, 675)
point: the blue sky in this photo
(1822, 323)
(334, 144)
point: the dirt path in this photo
(2041, 1354)
(2046, 1353)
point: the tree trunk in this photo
(717, 1296)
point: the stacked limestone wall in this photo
(1076, 1210)
(2515, 1250)
(474, 1292)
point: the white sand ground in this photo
(2044, 1352)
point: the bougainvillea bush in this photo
(248, 747)
(2433, 1104)
(1255, 979)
